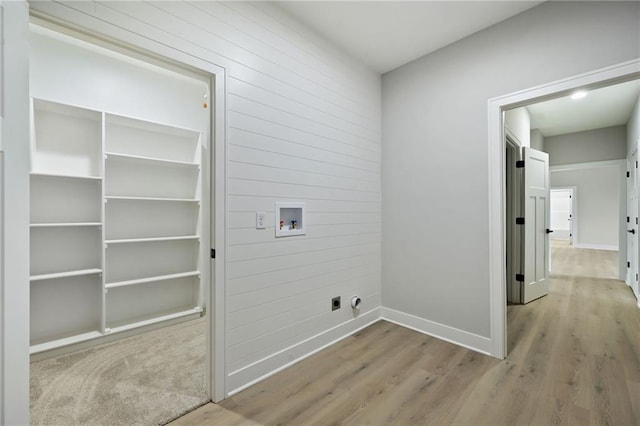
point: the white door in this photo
(561, 213)
(632, 222)
(535, 282)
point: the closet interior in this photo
(116, 223)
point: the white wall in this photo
(303, 124)
(435, 173)
(606, 144)
(598, 191)
(14, 335)
(582, 147)
(64, 69)
(633, 128)
(537, 140)
(518, 124)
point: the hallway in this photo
(569, 261)
(581, 343)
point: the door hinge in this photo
(627, 174)
(519, 220)
(636, 164)
(636, 277)
(627, 219)
(628, 264)
(213, 253)
(636, 220)
(519, 164)
(520, 277)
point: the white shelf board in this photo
(179, 200)
(65, 274)
(61, 176)
(53, 344)
(196, 312)
(64, 224)
(152, 159)
(152, 279)
(153, 239)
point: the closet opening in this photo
(122, 195)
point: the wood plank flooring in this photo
(574, 359)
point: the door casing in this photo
(632, 219)
(513, 209)
(14, 405)
(614, 74)
(213, 224)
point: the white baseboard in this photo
(596, 247)
(443, 332)
(266, 367)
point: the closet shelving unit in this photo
(115, 224)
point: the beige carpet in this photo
(142, 380)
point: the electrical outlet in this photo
(260, 220)
(335, 303)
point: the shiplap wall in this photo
(303, 124)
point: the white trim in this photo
(588, 165)
(515, 200)
(14, 405)
(508, 132)
(217, 299)
(449, 334)
(260, 370)
(497, 297)
(2, 422)
(272, 364)
(71, 20)
(628, 276)
(596, 247)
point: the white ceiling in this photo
(605, 107)
(388, 34)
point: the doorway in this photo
(563, 214)
(624, 72)
(135, 163)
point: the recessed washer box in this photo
(290, 219)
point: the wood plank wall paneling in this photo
(303, 123)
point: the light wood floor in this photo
(574, 359)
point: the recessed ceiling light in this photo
(579, 95)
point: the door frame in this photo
(573, 230)
(16, 328)
(614, 74)
(513, 209)
(214, 217)
(629, 166)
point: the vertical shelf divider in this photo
(103, 200)
(199, 225)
